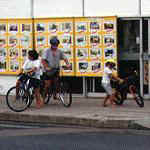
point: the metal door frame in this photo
(146, 56)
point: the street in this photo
(73, 138)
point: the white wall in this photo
(15, 9)
(73, 8)
(111, 8)
(57, 8)
(6, 82)
(145, 7)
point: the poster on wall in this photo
(3, 28)
(3, 61)
(95, 43)
(3, 47)
(146, 72)
(109, 30)
(13, 47)
(15, 41)
(62, 28)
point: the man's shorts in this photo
(50, 75)
(107, 87)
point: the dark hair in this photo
(54, 41)
(33, 54)
(107, 63)
(112, 65)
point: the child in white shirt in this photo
(107, 77)
(33, 66)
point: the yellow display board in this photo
(88, 42)
(63, 29)
(95, 43)
(15, 41)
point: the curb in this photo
(61, 120)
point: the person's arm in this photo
(44, 61)
(67, 62)
(21, 71)
(115, 77)
(45, 64)
(65, 59)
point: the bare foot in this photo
(104, 105)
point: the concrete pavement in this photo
(83, 112)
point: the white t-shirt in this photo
(29, 64)
(106, 78)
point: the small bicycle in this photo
(20, 98)
(130, 85)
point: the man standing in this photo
(51, 61)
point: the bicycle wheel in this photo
(47, 97)
(19, 102)
(139, 99)
(65, 94)
(119, 99)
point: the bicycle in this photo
(62, 90)
(20, 98)
(130, 85)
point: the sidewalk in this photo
(84, 112)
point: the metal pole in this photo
(148, 57)
(140, 7)
(83, 10)
(32, 8)
(84, 78)
(32, 17)
(141, 52)
(141, 57)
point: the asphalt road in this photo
(72, 138)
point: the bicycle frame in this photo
(26, 85)
(131, 85)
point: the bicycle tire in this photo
(119, 98)
(65, 94)
(21, 103)
(139, 99)
(48, 97)
(31, 98)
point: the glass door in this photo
(146, 56)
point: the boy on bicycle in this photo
(51, 61)
(32, 67)
(107, 77)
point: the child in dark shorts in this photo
(32, 66)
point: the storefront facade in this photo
(133, 29)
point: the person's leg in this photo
(17, 88)
(47, 85)
(112, 98)
(105, 100)
(47, 82)
(36, 85)
(39, 101)
(111, 94)
(56, 83)
(105, 86)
